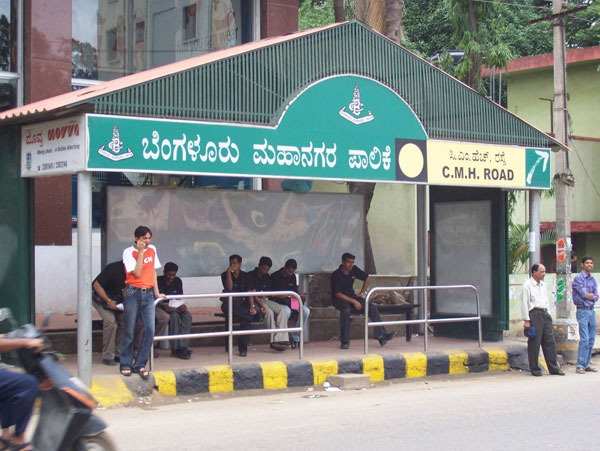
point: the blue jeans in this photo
(295, 336)
(17, 395)
(587, 336)
(137, 304)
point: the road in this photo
(491, 411)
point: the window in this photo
(8, 36)
(111, 45)
(189, 22)
(140, 32)
(8, 94)
(9, 57)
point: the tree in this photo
(582, 28)
(475, 31)
(384, 16)
(316, 13)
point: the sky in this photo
(85, 26)
(5, 8)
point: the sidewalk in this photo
(208, 372)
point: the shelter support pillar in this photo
(84, 277)
(534, 227)
(422, 251)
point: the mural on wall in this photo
(199, 229)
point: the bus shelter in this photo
(340, 102)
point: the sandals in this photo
(125, 371)
(143, 372)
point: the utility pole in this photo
(565, 324)
(566, 330)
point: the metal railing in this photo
(426, 321)
(230, 332)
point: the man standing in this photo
(348, 302)
(585, 295)
(285, 280)
(180, 320)
(275, 316)
(534, 309)
(107, 293)
(141, 288)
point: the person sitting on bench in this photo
(285, 280)
(275, 315)
(234, 281)
(348, 302)
(180, 320)
(107, 293)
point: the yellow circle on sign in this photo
(410, 160)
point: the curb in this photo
(117, 390)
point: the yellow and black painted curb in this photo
(304, 373)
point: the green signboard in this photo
(339, 128)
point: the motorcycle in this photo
(66, 419)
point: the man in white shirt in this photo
(534, 308)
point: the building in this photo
(49, 47)
(530, 94)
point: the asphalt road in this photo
(491, 411)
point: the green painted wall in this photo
(583, 84)
(16, 230)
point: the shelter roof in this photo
(252, 84)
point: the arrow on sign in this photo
(545, 156)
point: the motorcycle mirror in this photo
(5, 314)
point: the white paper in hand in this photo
(175, 303)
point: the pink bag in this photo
(294, 304)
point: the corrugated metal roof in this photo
(252, 83)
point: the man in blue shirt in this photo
(585, 295)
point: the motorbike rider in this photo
(17, 394)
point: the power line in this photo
(546, 8)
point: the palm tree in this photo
(518, 245)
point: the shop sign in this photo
(54, 147)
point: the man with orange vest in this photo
(141, 289)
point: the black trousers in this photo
(346, 309)
(544, 336)
(241, 313)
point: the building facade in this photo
(530, 93)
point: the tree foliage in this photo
(317, 13)
(518, 245)
(582, 28)
(509, 22)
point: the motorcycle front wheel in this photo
(100, 442)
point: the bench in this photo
(406, 309)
